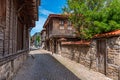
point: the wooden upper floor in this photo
(26, 11)
(59, 26)
(43, 34)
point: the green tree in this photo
(91, 17)
(38, 39)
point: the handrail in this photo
(11, 57)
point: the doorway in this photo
(101, 55)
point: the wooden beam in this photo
(13, 56)
(21, 7)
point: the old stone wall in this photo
(88, 56)
(81, 54)
(113, 57)
(8, 70)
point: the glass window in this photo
(69, 25)
(61, 24)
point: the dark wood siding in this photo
(20, 36)
(2, 11)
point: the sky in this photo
(47, 7)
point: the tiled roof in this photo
(76, 43)
(108, 34)
(54, 16)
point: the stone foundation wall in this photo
(8, 70)
(82, 54)
(87, 55)
(113, 57)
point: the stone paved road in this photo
(43, 67)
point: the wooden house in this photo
(17, 17)
(58, 27)
(43, 38)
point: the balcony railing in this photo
(64, 33)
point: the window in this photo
(61, 24)
(2, 12)
(69, 25)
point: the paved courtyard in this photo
(43, 67)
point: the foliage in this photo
(92, 17)
(38, 39)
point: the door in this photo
(101, 55)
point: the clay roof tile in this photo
(108, 34)
(76, 43)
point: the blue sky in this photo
(47, 7)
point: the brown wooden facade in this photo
(43, 38)
(17, 17)
(15, 23)
(58, 26)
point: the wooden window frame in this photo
(69, 25)
(61, 24)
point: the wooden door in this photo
(101, 55)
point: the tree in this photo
(91, 17)
(38, 39)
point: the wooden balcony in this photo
(62, 33)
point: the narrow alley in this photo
(59, 40)
(43, 67)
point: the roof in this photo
(62, 16)
(28, 9)
(108, 34)
(87, 43)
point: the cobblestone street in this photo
(43, 67)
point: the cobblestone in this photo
(44, 67)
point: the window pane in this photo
(61, 24)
